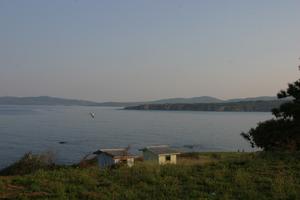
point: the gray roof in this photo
(116, 153)
(160, 150)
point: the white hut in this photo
(109, 157)
(162, 154)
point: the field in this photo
(197, 176)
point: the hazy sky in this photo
(131, 50)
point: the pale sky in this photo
(134, 50)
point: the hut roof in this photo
(161, 150)
(115, 153)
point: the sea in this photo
(71, 133)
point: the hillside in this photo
(46, 100)
(192, 100)
(226, 176)
(262, 98)
(203, 99)
(247, 106)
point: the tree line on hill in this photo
(248, 106)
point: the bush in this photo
(281, 133)
(30, 163)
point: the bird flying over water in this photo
(92, 114)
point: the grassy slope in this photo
(197, 176)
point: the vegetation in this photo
(283, 132)
(243, 106)
(30, 163)
(261, 175)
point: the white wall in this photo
(162, 159)
(130, 162)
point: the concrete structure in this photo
(110, 157)
(160, 154)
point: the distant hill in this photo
(262, 98)
(120, 104)
(203, 99)
(44, 100)
(243, 106)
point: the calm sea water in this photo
(41, 128)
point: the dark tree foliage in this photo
(282, 132)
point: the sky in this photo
(135, 50)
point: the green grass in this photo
(197, 176)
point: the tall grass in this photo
(222, 176)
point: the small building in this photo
(110, 157)
(162, 154)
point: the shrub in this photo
(30, 163)
(281, 133)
